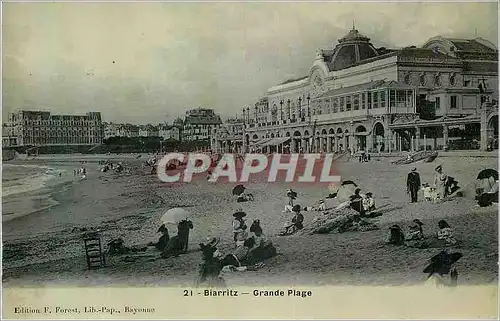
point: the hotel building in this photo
(41, 128)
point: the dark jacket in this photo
(297, 221)
(183, 228)
(413, 181)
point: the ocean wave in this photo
(17, 181)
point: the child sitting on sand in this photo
(396, 236)
(263, 247)
(415, 237)
(296, 224)
(445, 233)
(368, 202)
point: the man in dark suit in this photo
(413, 184)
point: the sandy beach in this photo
(46, 247)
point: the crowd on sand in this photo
(252, 247)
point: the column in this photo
(417, 138)
(328, 144)
(400, 142)
(304, 145)
(412, 145)
(484, 131)
(369, 142)
(425, 142)
(445, 136)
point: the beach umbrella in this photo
(442, 262)
(487, 173)
(238, 189)
(174, 215)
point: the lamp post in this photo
(308, 110)
(289, 110)
(300, 107)
(281, 109)
(248, 114)
(243, 115)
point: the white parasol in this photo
(174, 215)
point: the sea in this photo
(28, 188)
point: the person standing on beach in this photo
(413, 185)
(440, 182)
(239, 228)
(183, 232)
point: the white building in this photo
(360, 97)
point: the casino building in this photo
(442, 95)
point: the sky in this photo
(150, 62)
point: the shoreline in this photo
(38, 197)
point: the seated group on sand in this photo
(415, 237)
(248, 254)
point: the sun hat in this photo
(296, 208)
(211, 241)
(418, 222)
(240, 214)
(395, 227)
(414, 169)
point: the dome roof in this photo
(351, 49)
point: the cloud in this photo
(140, 62)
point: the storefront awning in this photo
(276, 141)
(260, 143)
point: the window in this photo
(363, 101)
(355, 100)
(438, 103)
(369, 100)
(341, 104)
(375, 99)
(392, 98)
(348, 103)
(335, 105)
(453, 102)
(382, 99)
(466, 83)
(328, 106)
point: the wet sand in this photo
(46, 248)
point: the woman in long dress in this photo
(440, 182)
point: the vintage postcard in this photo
(249, 160)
